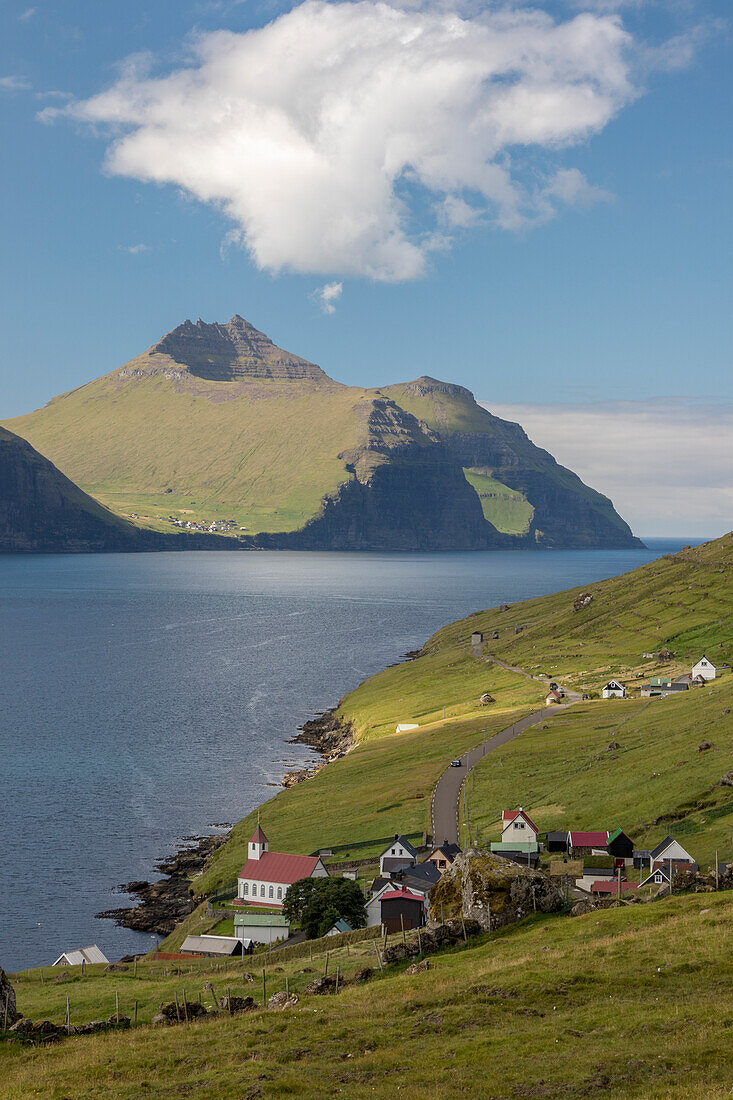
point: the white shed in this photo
(81, 955)
(614, 690)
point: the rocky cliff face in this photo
(41, 510)
(225, 353)
(567, 513)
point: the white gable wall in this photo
(704, 668)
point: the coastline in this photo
(163, 904)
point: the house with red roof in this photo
(585, 842)
(265, 877)
(518, 833)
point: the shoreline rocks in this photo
(165, 903)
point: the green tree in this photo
(316, 903)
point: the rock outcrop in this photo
(8, 1011)
(235, 350)
(493, 891)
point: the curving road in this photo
(447, 792)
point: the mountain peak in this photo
(231, 352)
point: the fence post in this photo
(338, 968)
(264, 988)
(325, 972)
(135, 1015)
(402, 926)
(117, 1005)
(379, 957)
(68, 1016)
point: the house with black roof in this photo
(397, 853)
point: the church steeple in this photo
(257, 844)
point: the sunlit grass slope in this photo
(682, 601)
(656, 781)
(629, 1003)
(262, 453)
(385, 784)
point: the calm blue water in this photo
(147, 696)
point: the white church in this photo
(265, 877)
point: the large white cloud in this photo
(353, 138)
(667, 464)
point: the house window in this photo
(245, 888)
(657, 877)
(519, 825)
(272, 893)
(279, 893)
(262, 890)
(394, 851)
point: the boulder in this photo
(585, 599)
(282, 1000)
(491, 891)
(364, 975)
(8, 1011)
(396, 952)
(236, 1004)
(486, 699)
(321, 985)
(704, 746)
(727, 780)
(418, 967)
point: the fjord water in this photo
(146, 697)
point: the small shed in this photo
(620, 846)
(88, 955)
(339, 927)
(557, 842)
(400, 909)
(212, 947)
(477, 638)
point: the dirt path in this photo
(447, 792)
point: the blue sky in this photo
(590, 266)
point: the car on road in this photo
(456, 763)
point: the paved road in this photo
(447, 793)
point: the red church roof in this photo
(280, 868)
(258, 837)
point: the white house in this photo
(614, 690)
(704, 668)
(397, 853)
(265, 877)
(518, 833)
(86, 955)
(668, 857)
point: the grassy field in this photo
(626, 1003)
(507, 509)
(683, 601)
(655, 782)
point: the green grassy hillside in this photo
(629, 1003)
(214, 422)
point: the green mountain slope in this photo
(216, 423)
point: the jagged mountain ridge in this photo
(215, 422)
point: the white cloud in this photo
(328, 295)
(27, 14)
(320, 134)
(134, 249)
(14, 84)
(667, 464)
